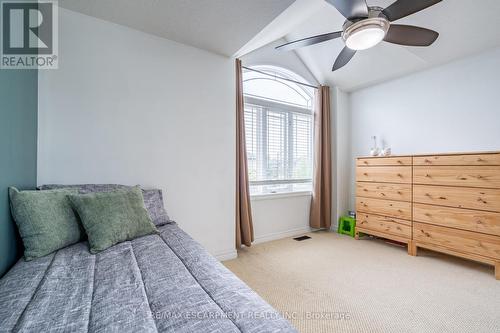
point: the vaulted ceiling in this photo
(466, 27)
(219, 26)
(236, 27)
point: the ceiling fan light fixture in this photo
(367, 26)
(365, 34)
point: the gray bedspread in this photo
(156, 283)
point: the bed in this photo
(156, 283)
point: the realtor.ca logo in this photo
(29, 34)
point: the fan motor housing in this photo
(375, 19)
(373, 12)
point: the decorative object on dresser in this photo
(454, 202)
(386, 150)
(375, 151)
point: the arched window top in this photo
(273, 87)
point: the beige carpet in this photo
(333, 283)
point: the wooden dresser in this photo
(383, 198)
(448, 203)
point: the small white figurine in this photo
(386, 150)
(375, 151)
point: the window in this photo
(279, 131)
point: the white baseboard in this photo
(233, 254)
(228, 255)
(281, 234)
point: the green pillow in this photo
(45, 220)
(113, 217)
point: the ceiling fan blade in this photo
(403, 8)
(344, 57)
(350, 8)
(410, 36)
(309, 41)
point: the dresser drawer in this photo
(478, 159)
(473, 198)
(399, 192)
(465, 219)
(384, 161)
(397, 209)
(389, 225)
(401, 175)
(458, 240)
(467, 176)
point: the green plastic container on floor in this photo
(347, 225)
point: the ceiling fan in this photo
(367, 26)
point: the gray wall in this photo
(18, 148)
(451, 108)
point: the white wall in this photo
(279, 216)
(276, 216)
(268, 55)
(452, 108)
(341, 154)
(127, 107)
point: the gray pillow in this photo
(45, 220)
(87, 188)
(153, 199)
(112, 217)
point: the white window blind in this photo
(279, 141)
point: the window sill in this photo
(272, 196)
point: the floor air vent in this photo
(301, 238)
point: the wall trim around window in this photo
(274, 196)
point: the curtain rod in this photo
(280, 77)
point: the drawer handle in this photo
(365, 174)
(382, 194)
(482, 200)
(365, 190)
(427, 161)
(480, 159)
(479, 222)
(400, 193)
(442, 198)
(428, 195)
(365, 162)
(400, 162)
(427, 175)
(428, 214)
(400, 175)
(479, 177)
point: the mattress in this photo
(156, 283)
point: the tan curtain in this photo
(244, 225)
(321, 203)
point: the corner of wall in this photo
(227, 255)
(341, 154)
